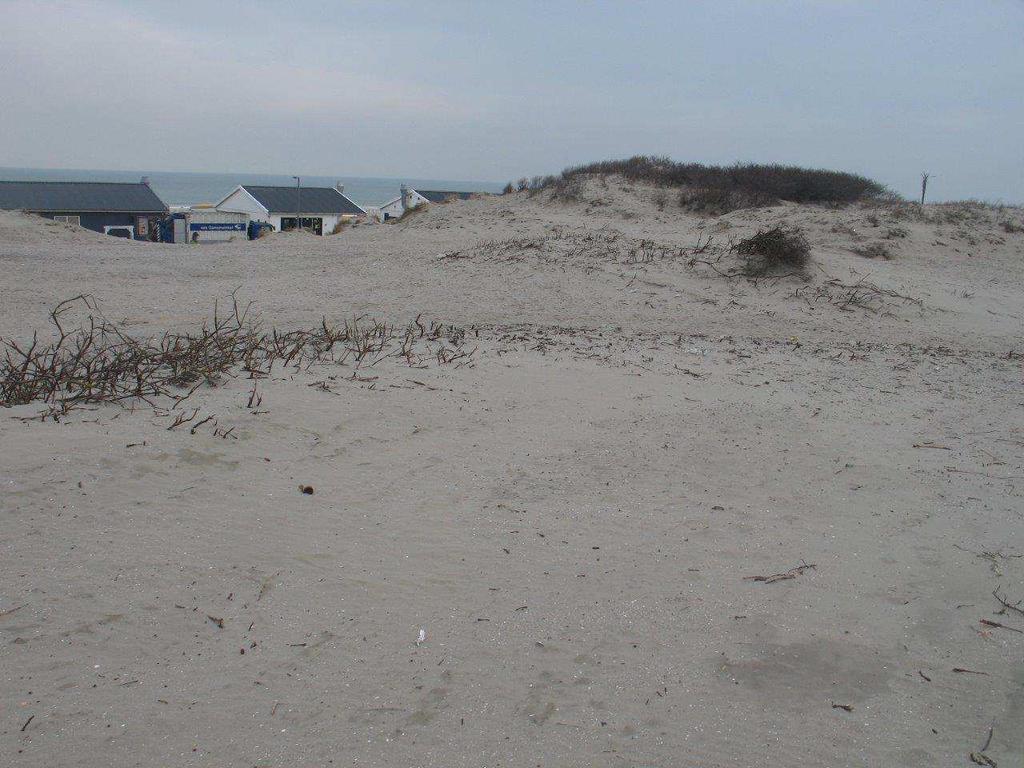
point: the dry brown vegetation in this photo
(712, 201)
(774, 250)
(100, 362)
(342, 225)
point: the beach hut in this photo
(119, 209)
(320, 208)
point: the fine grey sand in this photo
(572, 511)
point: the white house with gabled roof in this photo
(413, 198)
(320, 208)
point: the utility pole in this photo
(298, 202)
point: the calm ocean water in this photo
(176, 188)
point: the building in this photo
(123, 210)
(204, 224)
(413, 198)
(321, 208)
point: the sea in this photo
(180, 188)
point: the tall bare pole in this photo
(924, 185)
(298, 202)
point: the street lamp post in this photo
(298, 202)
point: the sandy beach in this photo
(644, 513)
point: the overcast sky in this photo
(497, 89)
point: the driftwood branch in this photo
(792, 573)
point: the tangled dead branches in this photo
(100, 363)
(859, 295)
(773, 250)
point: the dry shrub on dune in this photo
(716, 189)
(341, 225)
(773, 250)
(712, 201)
(570, 189)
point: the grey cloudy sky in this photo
(493, 90)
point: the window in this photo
(76, 220)
(120, 230)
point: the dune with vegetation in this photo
(642, 464)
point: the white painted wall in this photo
(394, 209)
(242, 202)
(415, 198)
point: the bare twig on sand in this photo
(1007, 606)
(997, 625)
(848, 296)
(702, 247)
(988, 741)
(993, 558)
(792, 573)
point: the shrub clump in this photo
(720, 188)
(563, 189)
(773, 250)
(715, 201)
(341, 225)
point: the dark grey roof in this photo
(436, 196)
(312, 200)
(79, 196)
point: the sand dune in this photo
(572, 512)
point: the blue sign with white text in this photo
(216, 227)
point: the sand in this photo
(571, 515)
